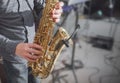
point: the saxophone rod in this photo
(74, 32)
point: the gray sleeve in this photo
(7, 45)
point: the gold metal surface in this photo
(51, 44)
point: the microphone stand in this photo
(72, 66)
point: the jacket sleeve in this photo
(7, 45)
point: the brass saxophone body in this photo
(52, 44)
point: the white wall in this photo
(100, 27)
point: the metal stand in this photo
(75, 64)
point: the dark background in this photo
(104, 6)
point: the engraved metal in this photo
(52, 44)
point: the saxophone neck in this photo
(51, 1)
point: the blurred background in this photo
(94, 56)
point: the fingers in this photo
(59, 5)
(31, 58)
(33, 52)
(35, 46)
(57, 11)
(56, 17)
(29, 51)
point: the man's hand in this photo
(57, 11)
(29, 51)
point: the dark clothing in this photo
(17, 24)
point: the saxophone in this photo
(52, 44)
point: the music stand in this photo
(73, 2)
